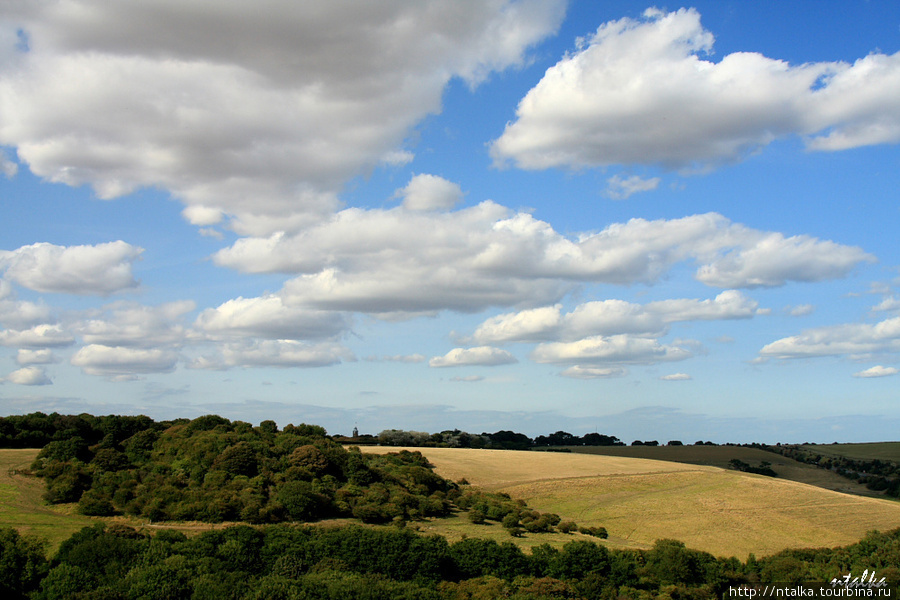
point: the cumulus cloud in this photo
(430, 192)
(43, 356)
(589, 372)
(401, 261)
(484, 356)
(775, 259)
(19, 314)
(610, 317)
(136, 94)
(84, 270)
(642, 91)
(676, 377)
(39, 336)
(851, 339)
(268, 317)
(616, 350)
(877, 371)
(28, 376)
(122, 362)
(134, 325)
(888, 304)
(801, 310)
(621, 188)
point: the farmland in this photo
(720, 456)
(641, 500)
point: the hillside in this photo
(720, 456)
(872, 451)
(640, 500)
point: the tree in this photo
(22, 564)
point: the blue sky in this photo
(652, 222)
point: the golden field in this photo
(724, 512)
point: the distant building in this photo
(355, 432)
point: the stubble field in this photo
(724, 512)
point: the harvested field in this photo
(639, 501)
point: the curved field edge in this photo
(727, 513)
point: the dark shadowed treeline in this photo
(877, 475)
(500, 440)
(315, 563)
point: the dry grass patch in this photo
(639, 501)
(720, 456)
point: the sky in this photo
(653, 222)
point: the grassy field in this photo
(640, 500)
(720, 456)
(880, 450)
(22, 507)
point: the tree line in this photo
(286, 562)
(499, 440)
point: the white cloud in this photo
(774, 259)
(877, 371)
(134, 325)
(588, 372)
(7, 167)
(39, 336)
(22, 314)
(888, 304)
(43, 356)
(484, 356)
(621, 188)
(396, 261)
(136, 94)
(284, 353)
(268, 317)
(801, 310)
(643, 92)
(28, 376)
(676, 377)
(430, 192)
(852, 339)
(610, 317)
(85, 270)
(123, 362)
(616, 350)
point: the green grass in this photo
(23, 508)
(879, 450)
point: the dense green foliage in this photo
(211, 469)
(291, 562)
(764, 468)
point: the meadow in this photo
(727, 513)
(22, 506)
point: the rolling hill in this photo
(641, 500)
